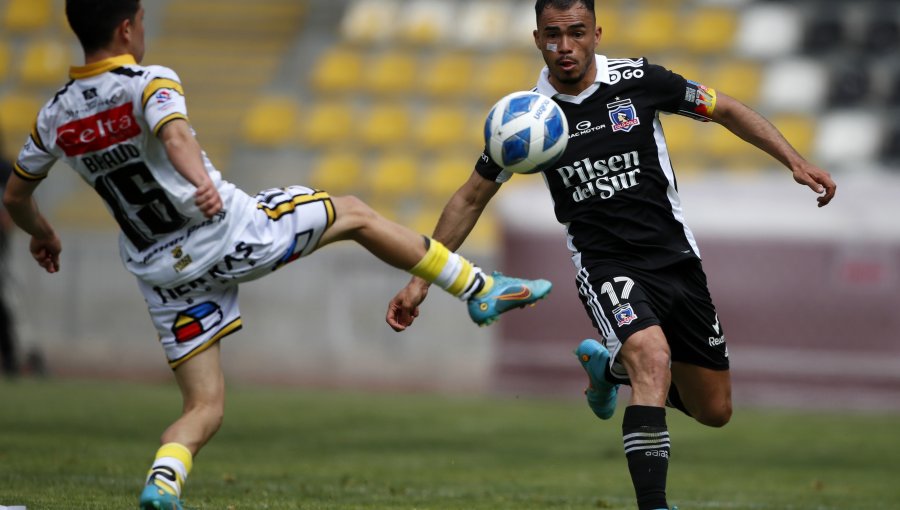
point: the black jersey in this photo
(614, 187)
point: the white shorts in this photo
(285, 225)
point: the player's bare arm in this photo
(185, 153)
(19, 201)
(456, 222)
(755, 129)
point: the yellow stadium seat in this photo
(5, 60)
(441, 127)
(394, 174)
(650, 29)
(45, 63)
(393, 72)
(609, 18)
(337, 70)
(708, 30)
(506, 72)
(740, 79)
(18, 112)
(729, 151)
(384, 125)
(449, 170)
(272, 122)
(426, 22)
(328, 123)
(476, 24)
(449, 74)
(369, 21)
(681, 135)
(27, 15)
(799, 130)
(338, 172)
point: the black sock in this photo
(674, 400)
(646, 440)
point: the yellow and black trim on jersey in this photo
(27, 176)
(167, 119)
(158, 84)
(36, 138)
(86, 71)
(228, 329)
(278, 210)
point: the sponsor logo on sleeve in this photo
(702, 97)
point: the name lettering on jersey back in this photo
(111, 159)
(601, 178)
(98, 132)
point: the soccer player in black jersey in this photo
(638, 267)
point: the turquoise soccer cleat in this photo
(154, 498)
(601, 395)
(506, 294)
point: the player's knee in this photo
(353, 213)
(716, 415)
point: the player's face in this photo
(568, 39)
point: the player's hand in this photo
(207, 199)
(817, 179)
(404, 308)
(46, 252)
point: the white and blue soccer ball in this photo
(526, 132)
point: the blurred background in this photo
(385, 99)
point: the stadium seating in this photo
(24, 16)
(392, 72)
(441, 127)
(339, 171)
(448, 75)
(5, 59)
(328, 123)
(273, 121)
(707, 31)
(45, 63)
(18, 111)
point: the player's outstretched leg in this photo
(601, 395)
(488, 295)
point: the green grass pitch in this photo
(87, 445)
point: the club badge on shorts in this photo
(624, 314)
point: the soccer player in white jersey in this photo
(189, 236)
(639, 273)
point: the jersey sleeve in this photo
(162, 99)
(35, 159)
(678, 95)
(491, 171)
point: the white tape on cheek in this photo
(551, 47)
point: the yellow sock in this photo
(452, 272)
(171, 467)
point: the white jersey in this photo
(103, 123)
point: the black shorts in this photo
(622, 301)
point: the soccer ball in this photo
(526, 132)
